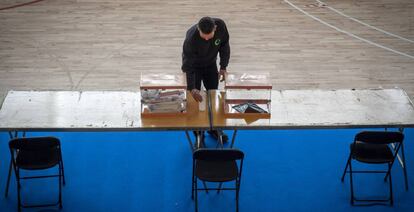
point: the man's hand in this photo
(196, 95)
(222, 74)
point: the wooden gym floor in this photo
(305, 44)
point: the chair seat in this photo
(371, 153)
(216, 171)
(31, 160)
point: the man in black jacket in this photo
(202, 43)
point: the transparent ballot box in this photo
(247, 95)
(163, 94)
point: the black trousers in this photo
(208, 75)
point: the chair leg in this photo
(205, 186)
(346, 167)
(192, 187)
(237, 195)
(391, 196)
(63, 171)
(404, 166)
(60, 185)
(6, 193)
(351, 182)
(19, 203)
(219, 187)
(196, 196)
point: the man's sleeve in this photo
(225, 49)
(190, 75)
(186, 58)
(187, 64)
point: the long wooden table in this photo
(309, 109)
(75, 111)
(325, 109)
(89, 111)
(120, 111)
(24, 111)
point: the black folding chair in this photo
(373, 147)
(37, 153)
(216, 165)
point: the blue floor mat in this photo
(284, 170)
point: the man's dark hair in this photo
(206, 25)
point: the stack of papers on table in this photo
(164, 101)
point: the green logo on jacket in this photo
(217, 42)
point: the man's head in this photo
(206, 27)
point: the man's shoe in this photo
(197, 133)
(224, 137)
(214, 133)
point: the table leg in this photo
(233, 138)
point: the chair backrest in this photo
(35, 144)
(218, 154)
(380, 137)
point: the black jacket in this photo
(199, 53)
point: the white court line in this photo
(348, 33)
(363, 23)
